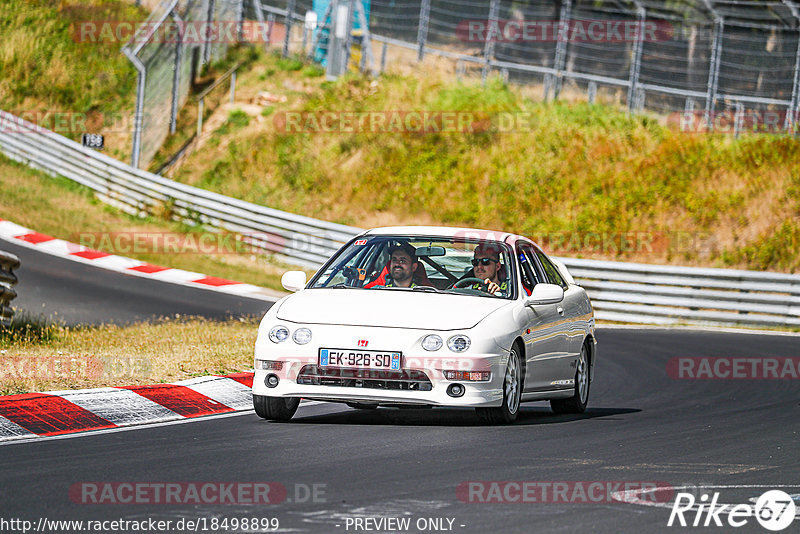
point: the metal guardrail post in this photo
(138, 117)
(233, 87)
(176, 73)
(489, 40)
(636, 58)
(422, 29)
(290, 7)
(560, 60)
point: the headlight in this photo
(432, 342)
(458, 343)
(278, 334)
(302, 336)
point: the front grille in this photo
(364, 378)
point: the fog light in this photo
(455, 390)
(268, 365)
(468, 376)
(271, 381)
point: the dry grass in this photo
(580, 170)
(89, 357)
(63, 209)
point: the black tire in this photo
(577, 403)
(512, 393)
(275, 408)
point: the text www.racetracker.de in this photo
(200, 524)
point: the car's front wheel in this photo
(275, 408)
(512, 393)
(577, 403)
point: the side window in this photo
(528, 268)
(552, 271)
(530, 254)
(525, 271)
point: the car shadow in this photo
(449, 416)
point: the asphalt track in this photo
(76, 293)
(642, 426)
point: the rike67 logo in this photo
(774, 510)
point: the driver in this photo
(402, 266)
(486, 265)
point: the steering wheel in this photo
(470, 281)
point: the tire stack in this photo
(8, 262)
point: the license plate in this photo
(367, 359)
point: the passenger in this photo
(486, 265)
(402, 267)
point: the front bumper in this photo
(484, 354)
(476, 394)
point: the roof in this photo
(441, 231)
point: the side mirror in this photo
(545, 294)
(293, 280)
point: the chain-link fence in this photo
(708, 59)
(167, 51)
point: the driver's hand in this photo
(491, 287)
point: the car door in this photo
(570, 335)
(543, 346)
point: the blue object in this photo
(319, 7)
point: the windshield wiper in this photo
(426, 288)
(340, 285)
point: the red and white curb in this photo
(26, 237)
(54, 413)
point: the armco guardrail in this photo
(304, 240)
(8, 262)
(666, 294)
(625, 292)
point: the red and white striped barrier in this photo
(33, 415)
(58, 247)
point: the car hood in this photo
(388, 308)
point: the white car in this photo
(429, 316)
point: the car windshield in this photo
(412, 263)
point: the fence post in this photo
(489, 39)
(383, 57)
(422, 32)
(636, 59)
(239, 21)
(290, 6)
(561, 48)
(139, 113)
(713, 69)
(207, 36)
(176, 74)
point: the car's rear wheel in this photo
(275, 408)
(512, 393)
(577, 403)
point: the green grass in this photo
(569, 168)
(44, 66)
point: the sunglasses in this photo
(483, 261)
